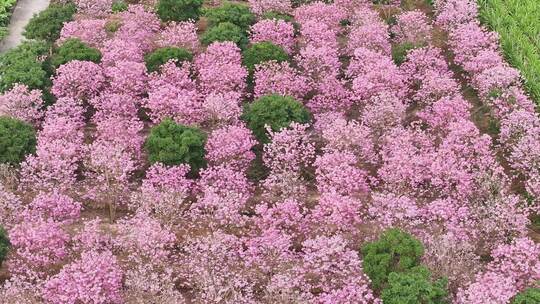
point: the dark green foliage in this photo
(278, 16)
(17, 139)
(399, 52)
(275, 111)
(414, 287)
(179, 10)
(225, 31)
(47, 24)
(262, 52)
(160, 56)
(119, 6)
(235, 13)
(21, 65)
(74, 49)
(394, 251)
(172, 144)
(4, 244)
(528, 296)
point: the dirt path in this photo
(24, 10)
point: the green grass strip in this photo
(517, 22)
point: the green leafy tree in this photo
(172, 144)
(275, 111)
(17, 139)
(225, 31)
(394, 251)
(119, 6)
(235, 13)
(160, 56)
(21, 65)
(528, 296)
(414, 287)
(262, 52)
(179, 10)
(74, 49)
(4, 244)
(47, 24)
(399, 51)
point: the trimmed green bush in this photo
(179, 10)
(47, 24)
(528, 296)
(275, 111)
(17, 139)
(225, 31)
(160, 56)
(394, 251)
(21, 65)
(172, 144)
(399, 52)
(262, 52)
(4, 244)
(235, 13)
(413, 287)
(74, 49)
(119, 6)
(278, 16)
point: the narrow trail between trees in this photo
(23, 12)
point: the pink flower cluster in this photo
(22, 103)
(278, 32)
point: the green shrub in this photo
(74, 49)
(225, 31)
(394, 251)
(21, 65)
(47, 24)
(172, 144)
(4, 244)
(160, 56)
(119, 6)
(528, 296)
(179, 10)
(399, 51)
(235, 13)
(278, 16)
(275, 111)
(413, 287)
(262, 52)
(17, 139)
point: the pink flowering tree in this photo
(259, 7)
(73, 283)
(231, 146)
(179, 34)
(90, 31)
(278, 32)
(22, 103)
(280, 78)
(79, 80)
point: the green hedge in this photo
(6, 6)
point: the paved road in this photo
(24, 10)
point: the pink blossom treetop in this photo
(328, 14)
(332, 95)
(259, 7)
(164, 192)
(172, 93)
(180, 34)
(116, 50)
(278, 32)
(56, 206)
(280, 78)
(452, 13)
(22, 103)
(79, 80)
(73, 284)
(341, 135)
(318, 34)
(337, 172)
(372, 72)
(222, 108)
(132, 29)
(319, 63)
(127, 77)
(223, 194)
(337, 214)
(219, 69)
(231, 145)
(412, 27)
(373, 36)
(89, 31)
(94, 8)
